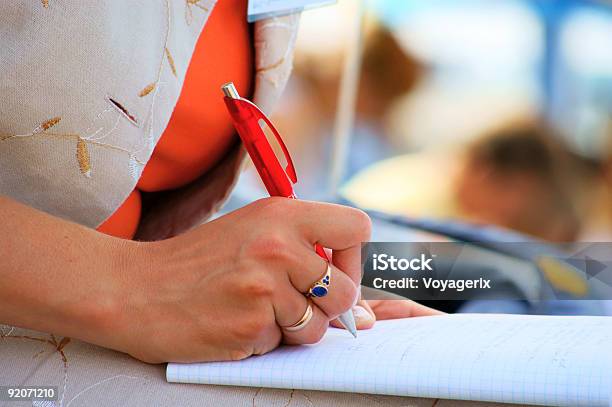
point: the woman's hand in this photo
(224, 290)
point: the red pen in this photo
(247, 118)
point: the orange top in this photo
(200, 130)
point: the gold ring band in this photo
(301, 324)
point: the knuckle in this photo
(252, 330)
(256, 285)
(362, 224)
(273, 205)
(255, 330)
(273, 246)
(261, 205)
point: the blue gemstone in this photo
(319, 291)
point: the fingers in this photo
(313, 330)
(312, 333)
(290, 308)
(342, 294)
(289, 304)
(364, 316)
(342, 229)
(349, 261)
(395, 309)
(289, 249)
(339, 228)
(334, 226)
(342, 291)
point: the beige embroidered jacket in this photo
(86, 90)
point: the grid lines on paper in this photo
(512, 359)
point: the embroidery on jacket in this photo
(171, 62)
(83, 143)
(189, 5)
(265, 72)
(165, 55)
(58, 346)
(53, 345)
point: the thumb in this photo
(364, 316)
(395, 309)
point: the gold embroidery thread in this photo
(50, 123)
(83, 143)
(189, 4)
(272, 66)
(165, 55)
(171, 62)
(82, 155)
(148, 89)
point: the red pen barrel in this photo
(246, 122)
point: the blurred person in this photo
(519, 178)
(388, 72)
(600, 222)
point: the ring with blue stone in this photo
(321, 287)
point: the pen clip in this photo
(290, 169)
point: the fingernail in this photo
(362, 316)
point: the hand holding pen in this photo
(279, 181)
(238, 286)
(233, 287)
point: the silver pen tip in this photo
(348, 321)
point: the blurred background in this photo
(489, 112)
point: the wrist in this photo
(100, 312)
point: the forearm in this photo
(56, 276)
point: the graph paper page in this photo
(514, 359)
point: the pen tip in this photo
(348, 322)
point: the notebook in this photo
(547, 360)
